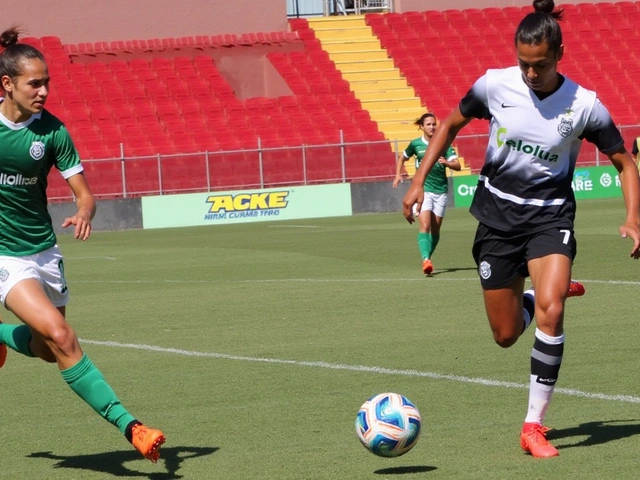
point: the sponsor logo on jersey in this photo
(16, 179)
(485, 270)
(246, 205)
(37, 150)
(520, 145)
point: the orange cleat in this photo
(146, 440)
(576, 289)
(533, 440)
(427, 266)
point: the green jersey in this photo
(28, 151)
(436, 181)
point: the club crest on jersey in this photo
(4, 274)
(485, 270)
(565, 128)
(37, 150)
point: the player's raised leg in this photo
(54, 340)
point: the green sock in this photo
(424, 244)
(85, 379)
(434, 244)
(16, 337)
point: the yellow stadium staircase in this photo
(373, 77)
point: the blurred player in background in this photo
(435, 188)
(32, 283)
(524, 201)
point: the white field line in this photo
(363, 369)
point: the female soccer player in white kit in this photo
(524, 201)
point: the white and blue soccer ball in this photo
(388, 424)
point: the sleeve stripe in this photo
(72, 171)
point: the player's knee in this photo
(505, 340)
(62, 338)
(505, 337)
(550, 315)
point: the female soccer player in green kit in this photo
(32, 283)
(435, 188)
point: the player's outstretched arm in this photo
(399, 165)
(86, 207)
(630, 183)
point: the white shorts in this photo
(433, 202)
(46, 267)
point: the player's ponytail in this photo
(547, 6)
(14, 53)
(9, 37)
(541, 26)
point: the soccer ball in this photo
(388, 425)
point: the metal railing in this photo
(129, 176)
(310, 8)
(162, 174)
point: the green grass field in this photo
(252, 346)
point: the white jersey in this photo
(525, 183)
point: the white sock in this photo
(546, 358)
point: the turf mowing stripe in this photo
(435, 278)
(362, 368)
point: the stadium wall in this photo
(422, 5)
(126, 214)
(376, 197)
(77, 21)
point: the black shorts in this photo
(502, 256)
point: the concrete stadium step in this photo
(358, 76)
(355, 46)
(365, 66)
(383, 104)
(385, 94)
(399, 126)
(370, 85)
(358, 56)
(333, 34)
(401, 115)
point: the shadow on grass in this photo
(597, 433)
(451, 270)
(404, 470)
(113, 463)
